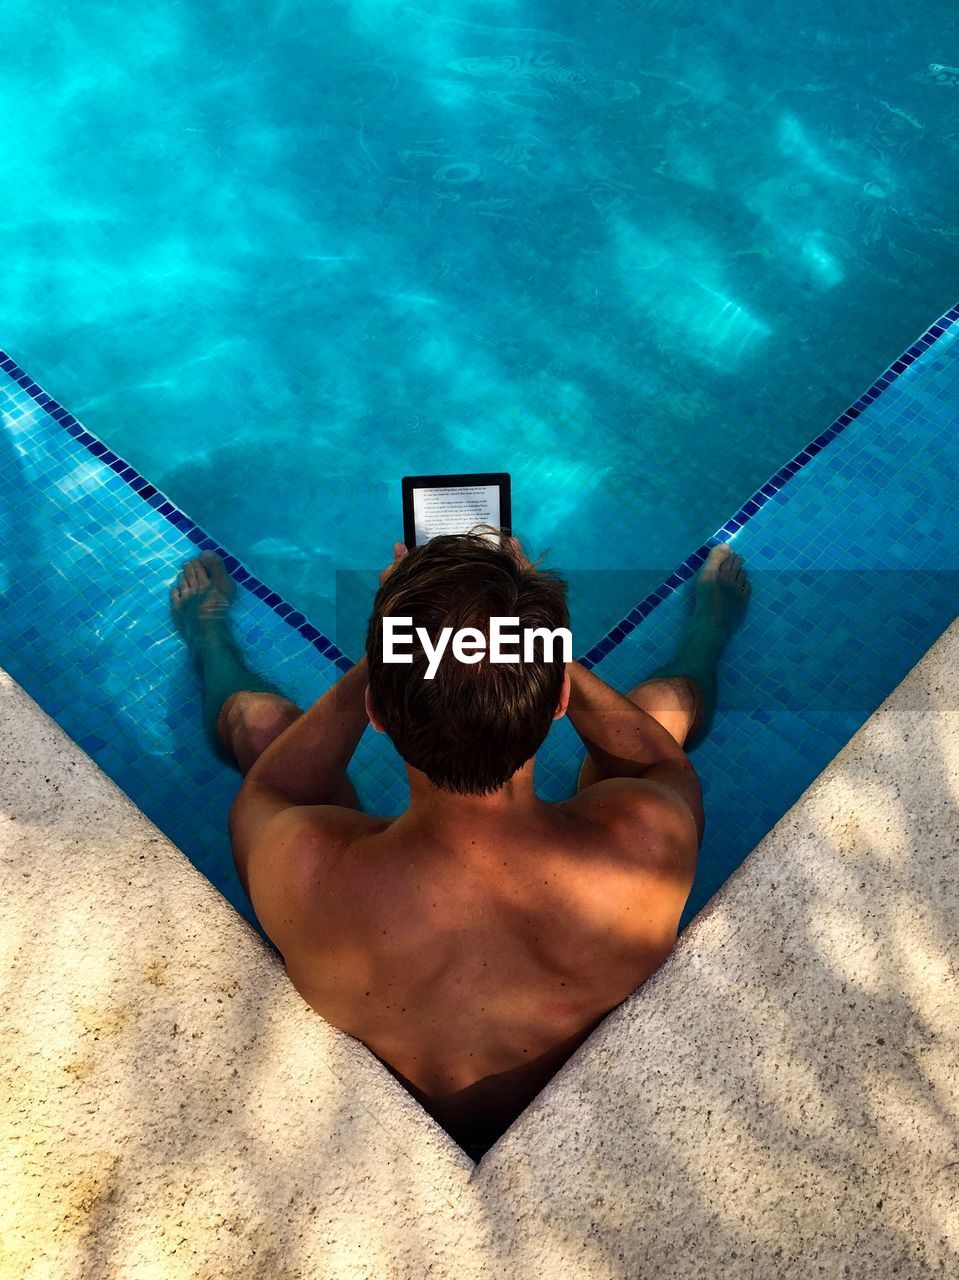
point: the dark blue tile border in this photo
(751, 506)
(180, 521)
(324, 645)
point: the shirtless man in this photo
(476, 940)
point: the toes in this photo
(218, 575)
(729, 563)
(195, 574)
(717, 557)
(737, 571)
(726, 565)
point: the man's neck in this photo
(440, 807)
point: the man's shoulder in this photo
(304, 867)
(647, 820)
(653, 839)
(324, 829)
(632, 800)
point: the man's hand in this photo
(400, 552)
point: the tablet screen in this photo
(435, 505)
(454, 510)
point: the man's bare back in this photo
(475, 941)
(474, 956)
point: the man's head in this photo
(472, 725)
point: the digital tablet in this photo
(433, 505)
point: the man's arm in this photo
(307, 762)
(624, 741)
(305, 765)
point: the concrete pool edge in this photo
(781, 1095)
(329, 649)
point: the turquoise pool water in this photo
(278, 254)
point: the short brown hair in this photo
(471, 727)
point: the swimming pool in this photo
(277, 256)
(637, 263)
(853, 547)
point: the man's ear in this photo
(374, 718)
(563, 698)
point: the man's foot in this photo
(722, 590)
(201, 596)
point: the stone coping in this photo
(782, 1098)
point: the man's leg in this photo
(242, 712)
(682, 695)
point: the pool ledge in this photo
(780, 1099)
